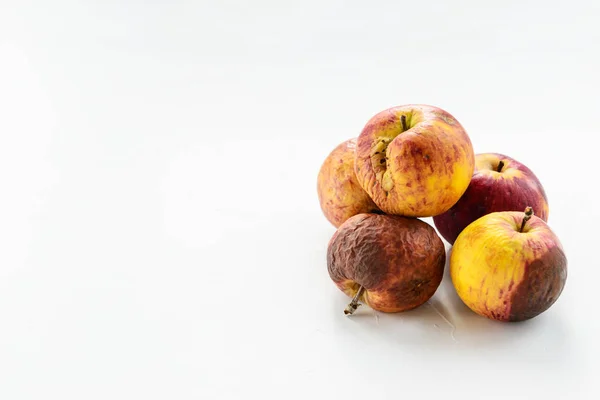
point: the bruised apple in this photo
(414, 160)
(508, 266)
(389, 262)
(340, 194)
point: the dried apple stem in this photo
(500, 166)
(354, 304)
(526, 217)
(404, 125)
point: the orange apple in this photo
(340, 194)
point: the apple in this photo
(340, 194)
(414, 160)
(389, 262)
(499, 183)
(508, 266)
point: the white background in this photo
(160, 234)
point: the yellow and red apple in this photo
(389, 262)
(499, 183)
(414, 160)
(508, 268)
(340, 194)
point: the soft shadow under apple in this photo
(446, 324)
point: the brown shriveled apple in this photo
(391, 263)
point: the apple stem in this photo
(500, 166)
(526, 217)
(354, 303)
(404, 125)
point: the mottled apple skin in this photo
(420, 171)
(508, 275)
(399, 261)
(340, 194)
(512, 189)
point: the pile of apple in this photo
(417, 161)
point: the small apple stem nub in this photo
(526, 217)
(354, 303)
(500, 166)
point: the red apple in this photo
(499, 183)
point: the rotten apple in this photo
(389, 262)
(414, 160)
(508, 266)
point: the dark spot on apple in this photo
(542, 284)
(416, 285)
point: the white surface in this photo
(159, 226)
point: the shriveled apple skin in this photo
(399, 261)
(340, 194)
(504, 274)
(418, 172)
(511, 191)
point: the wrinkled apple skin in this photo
(420, 171)
(512, 189)
(340, 194)
(504, 274)
(399, 261)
